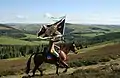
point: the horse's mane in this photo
(64, 44)
(60, 45)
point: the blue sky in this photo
(76, 11)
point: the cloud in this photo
(21, 17)
(91, 18)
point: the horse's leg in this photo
(57, 67)
(65, 65)
(65, 70)
(35, 68)
(41, 71)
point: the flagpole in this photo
(64, 28)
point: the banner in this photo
(55, 29)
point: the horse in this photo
(39, 58)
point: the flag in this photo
(55, 29)
(60, 25)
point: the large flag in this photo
(55, 29)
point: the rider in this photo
(56, 35)
(53, 33)
(52, 48)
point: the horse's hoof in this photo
(32, 76)
(41, 75)
(25, 77)
(58, 74)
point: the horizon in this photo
(76, 11)
(65, 23)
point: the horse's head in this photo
(73, 48)
(41, 31)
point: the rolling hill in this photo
(13, 36)
(77, 32)
(6, 30)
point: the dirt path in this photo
(47, 72)
(70, 70)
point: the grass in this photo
(30, 36)
(95, 55)
(5, 28)
(94, 73)
(92, 56)
(92, 34)
(10, 67)
(89, 73)
(34, 27)
(77, 28)
(15, 41)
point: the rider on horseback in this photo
(55, 34)
(59, 54)
(53, 46)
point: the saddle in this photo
(48, 55)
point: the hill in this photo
(81, 33)
(88, 64)
(14, 36)
(5, 27)
(6, 30)
(73, 28)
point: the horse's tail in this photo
(28, 64)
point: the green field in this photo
(13, 41)
(72, 32)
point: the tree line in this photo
(12, 51)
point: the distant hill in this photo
(6, 30)
(78, 32)
(5, 27)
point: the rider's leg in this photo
(58, 60)
(55, 53)
(63, 57)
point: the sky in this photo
(76, 11)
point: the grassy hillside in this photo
(6, 30)
(13, 41)
(15, 36)
(90, 57)
(73, 28)
(76, 32)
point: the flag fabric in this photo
(60, 25)
(55, 29)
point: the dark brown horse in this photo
(39, 58)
